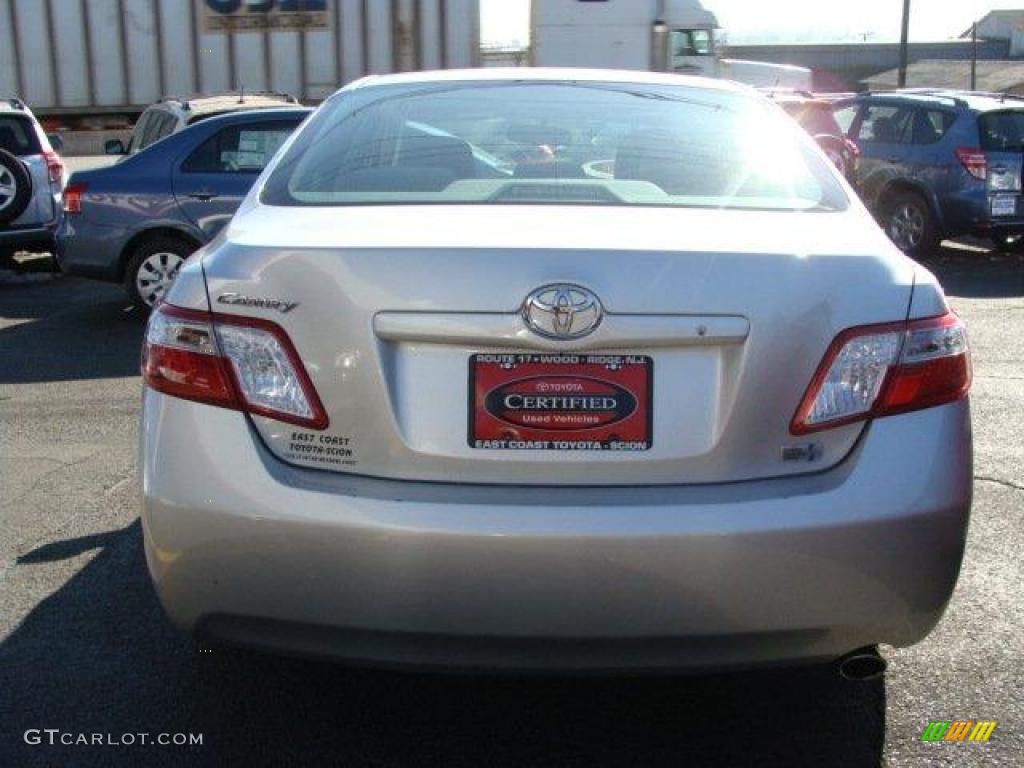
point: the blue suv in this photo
(939, 164)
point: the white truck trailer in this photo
(659, 35)
(70, 59)
(74, 58)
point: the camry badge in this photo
(562, 311)
(238, 299)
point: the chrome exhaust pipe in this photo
(862, 665)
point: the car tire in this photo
(152, 268)
(15, 187)
(908, 221)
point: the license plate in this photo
(560, 402)
(1004, 205)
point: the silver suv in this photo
(174, 114)
(31, 179)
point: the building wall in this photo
(1000, 26)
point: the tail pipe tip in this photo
(862, 665)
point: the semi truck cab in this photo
(656, 35)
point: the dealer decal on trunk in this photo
(560, 402)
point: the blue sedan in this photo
(137, 221)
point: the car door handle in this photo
(893, 159)
(203, 195)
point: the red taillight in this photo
(54, 168)
(880, 370)
(190, 375)
(73, 194)
(973, 161)
(229, 361)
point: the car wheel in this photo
(910, 225)
(152, 268)
(15, 187)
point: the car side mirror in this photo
(56, 142)
(114, 147)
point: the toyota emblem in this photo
(562, 311)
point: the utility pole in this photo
(974, 56)
(660, 40)
(904, 40)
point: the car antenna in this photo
(241, 95)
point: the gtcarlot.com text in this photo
(54, 736)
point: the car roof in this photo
(201, 105)
(200, 130)
(973, 100)
(241, 116)
(550, 74)
(796, 101)
(14, 106)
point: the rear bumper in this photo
(91, 250)
(36, 237)
(969, 213)
(248, 549)
(996, 228)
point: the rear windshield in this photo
(18, 136)
(553, 142)
(1002, 131)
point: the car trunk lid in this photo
(713, 320)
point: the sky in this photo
(752, 21)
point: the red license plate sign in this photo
(560, 402)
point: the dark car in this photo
(137, 221)
(815, 115)
(940, 164)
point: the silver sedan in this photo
(555, 369)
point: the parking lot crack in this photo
(998, 481)
(39, 480)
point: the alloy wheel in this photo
(906, 226)
(156, 273)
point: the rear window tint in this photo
(18, 136)
(141, 126)
(159, 127)
(1002, 131)
(552, 142)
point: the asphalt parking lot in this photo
(84, 647)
